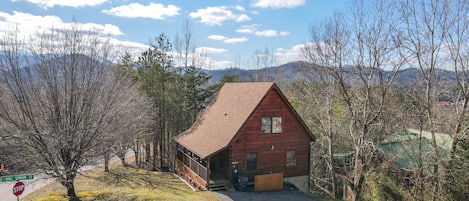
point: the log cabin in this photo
(249, 129)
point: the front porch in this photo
(211, 173)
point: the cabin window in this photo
(290, 158)
(266, 125)
(251, 161)
(276, 124)
(271, 125)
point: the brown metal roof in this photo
(222, 119)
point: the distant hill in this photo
(286, 73)
(281, 74)
(292, 71)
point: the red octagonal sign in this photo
(18, 188)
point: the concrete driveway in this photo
(264, 196)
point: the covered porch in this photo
(213, 172)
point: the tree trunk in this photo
(147, 153)
(332, 171)
(106, 162)
(156, 148)
(331, 148)
(71, 192)
(357, 176)
(162, 144)
(136, 156)
(456, 138)
(68, 183)
(124, 163)
(121, 155)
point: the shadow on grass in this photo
(127, 183)
(135, 178)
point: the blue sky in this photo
(228, 32)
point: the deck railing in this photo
(193, 164)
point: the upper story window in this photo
(271, 125)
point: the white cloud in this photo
(218, 15)
(240, 8)
(214, 64)
(27, 25)
(69, 3)
(278, 3)
(244, 30)
(295, 53)
(216, 37)
(247, 29)
(152, 11)
(227, 39)
(130, 44)
(235, 40)
(106, 29)
(242, 18)
(267, 33)
(210, 50)
(253, 29)
(134, 48)
(271, 33)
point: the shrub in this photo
(378, 187)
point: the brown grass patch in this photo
(123, 183)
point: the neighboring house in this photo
(407, 149)
(249, 129)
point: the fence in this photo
(268, 182)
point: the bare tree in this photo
(327, 48)
(458, 37)
(265, 61)
(60, 98)
(134, 124)
(192, 60)
(319, 106)
(356, 53)
(427, 24)
(138, 134)
(186, 48)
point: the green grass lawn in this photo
(123, 184)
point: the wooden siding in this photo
(268, 182)
(271, 148)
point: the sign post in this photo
(17, 177)
(18, 189)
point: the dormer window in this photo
(271, 125)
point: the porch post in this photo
(208, 171)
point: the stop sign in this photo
(18, 188)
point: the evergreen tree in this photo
(195, 92)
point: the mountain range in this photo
(298, 70)
(288, 72)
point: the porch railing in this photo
(193, 164)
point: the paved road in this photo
(264, 196)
